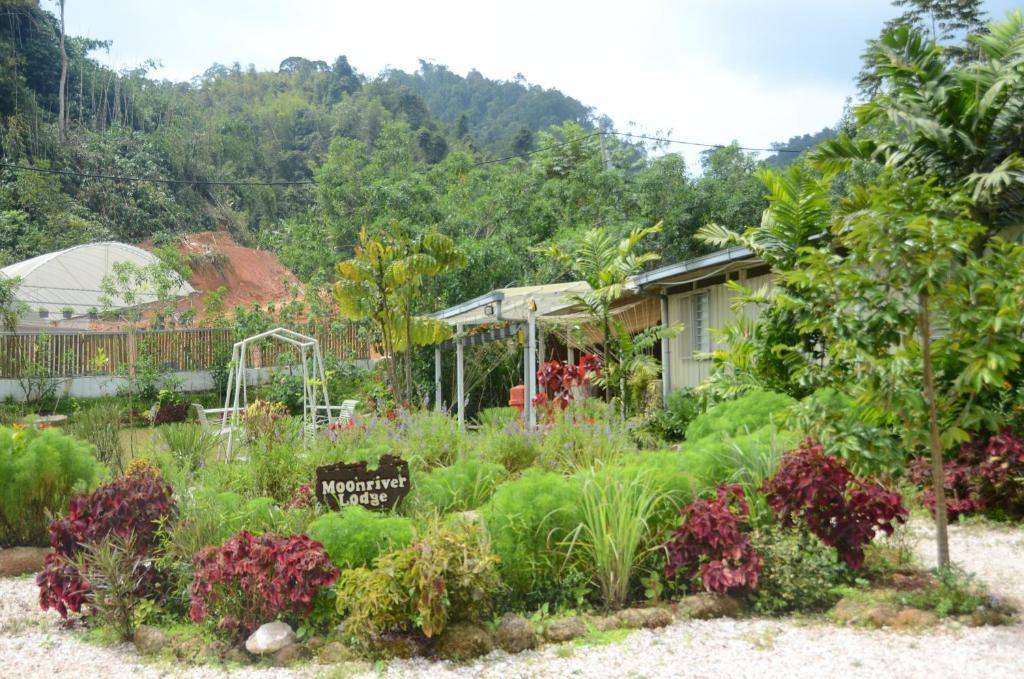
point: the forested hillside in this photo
(300, 159)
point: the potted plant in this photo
(43, 313)
(68, 312)
(93, 313)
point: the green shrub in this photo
(509, 445)
(681, 407)
(856, 433)
(748, 459)
(355, 536)
(799, 573)
(583, 435)
(277, 470)
(497, 417)
(742, 416)
(459, 487)
(673, 486)
(100, 425)
(39, 472)
(530, 520)
(428, 439)
(188, 443)
(954, 593)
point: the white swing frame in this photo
(236, 396)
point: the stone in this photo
(643, 618)
(989, 616)
(150, 640)
(335, 652)
(315, 643)
(605, 623)
(213, 651)
(463, 641)
(396, 646)
(515, 634)
(188, 649)
(271, 637)
(881, 615)
(705, 606)
(21, 560)
(565, 630)
(848, 612)
(237, 656)
(288, 655)
(915, 618)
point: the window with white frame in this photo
(701, 336)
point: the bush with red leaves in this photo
(843, 511)
(986, 473)
(252, 579)
(711, 542)
(131, 505)
(556, 380)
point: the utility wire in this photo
(306, 182)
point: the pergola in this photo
(521, 308)
(236, 395)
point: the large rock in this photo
(565, 630)
(515, 634)
(851, 612)
(463, 641)
(394, 645)
(289, 654)
(914, 618)
(705, 606)
(271, 637)
(643, 618)
(335, 652)
(150, 640)
(21, 560)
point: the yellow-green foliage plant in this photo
(448, 575)
(40, 469)
(744, 415)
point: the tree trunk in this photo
(61, 116)
(408, 354)
(938, 477)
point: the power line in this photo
(306, 182)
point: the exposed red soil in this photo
(250, 276)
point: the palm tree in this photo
(960, 124)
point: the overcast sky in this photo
(706, 70)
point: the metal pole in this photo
(527, 405)
(531, 343)
(437, 378)
(666, 354)
(460, 385)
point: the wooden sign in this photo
(343, 483)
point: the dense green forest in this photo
(341, 150)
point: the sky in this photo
(712, 71)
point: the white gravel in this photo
(32, 644)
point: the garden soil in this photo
(33, 644)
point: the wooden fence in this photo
(73, 354)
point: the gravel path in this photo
(33, 645)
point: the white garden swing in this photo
(314, 383)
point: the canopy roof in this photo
(511, 304)
(71, 278)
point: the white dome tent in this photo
(71, 278)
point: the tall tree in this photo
(62, 92)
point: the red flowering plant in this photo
(556, 380)
(712, 542)
(986, 473)
(132, 506)
(843, 511)
(251, 579)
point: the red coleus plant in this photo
(251, 579)
(986, 473)
(843, 511)
(556, 380)
(133, 505)
(711, 542)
